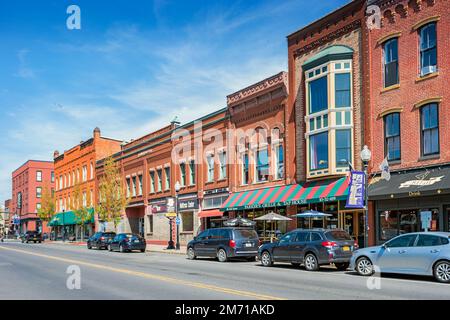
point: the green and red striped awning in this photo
(309, 192)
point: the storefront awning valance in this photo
(415, 183)
(210, 213)
(309, 192)
(68, 218)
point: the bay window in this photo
(329, 111)
(318, 151)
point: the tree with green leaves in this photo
(80, 208)
(48, 205)
(112, 197)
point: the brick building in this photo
(28, 183)
(325, 83)
(408, 115)
(153, 164)
(262, 153)
(76, 166)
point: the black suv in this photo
(34, 236)
(225, 243)
(312, 248)
(100, 240)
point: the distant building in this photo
(28, 184)
(77, 166)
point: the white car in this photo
(420, 253)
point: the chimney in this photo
(97, 133)
(175, 122)
(55, 154)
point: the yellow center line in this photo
(151, 276)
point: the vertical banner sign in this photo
(356, 187)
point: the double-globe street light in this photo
(366, 155)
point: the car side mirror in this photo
(195, 238)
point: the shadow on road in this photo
(397, 276)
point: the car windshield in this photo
(338, 235)
(245, 234)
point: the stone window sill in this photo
(430, 157)
(390, 88)
(428, 76)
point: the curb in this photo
(167, 251)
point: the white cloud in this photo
(24, 71)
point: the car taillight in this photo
(232, 244)
(356, 245)
(329, 244)
(102, 238)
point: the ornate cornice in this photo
(328, 38)
(281, 79)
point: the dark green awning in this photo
(69, 218)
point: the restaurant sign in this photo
(189, 204)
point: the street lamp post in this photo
(366, 155)
(64, 226)
(177, 189)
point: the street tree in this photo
(112, 197)
(79, 206)
(48, 205)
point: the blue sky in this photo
(132, 67)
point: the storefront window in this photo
(187, 221)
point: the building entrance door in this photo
(447, 218)
(353, 223)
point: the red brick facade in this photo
(29, 180)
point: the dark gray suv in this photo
(312, 248)
(225, 243)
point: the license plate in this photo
(248, 245)
(346, 248)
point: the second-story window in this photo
(318, 151)
(152, 181)
(342, 90)
(262, 165)
(183, 173)
(84, 173)
(318, 94)
(60, 182)
(92, 171)
(428, 49)
(223, 165)
(245, 168)
(39, 176)
(128, 187)
(391, 76)
(134, 190)
(52, 177)
(167, 174)
(343, 147)
(279, 161)
(159, 173)
(210, 163)
(192, 172)
(140, 185)
(429, 116)
(392, 136)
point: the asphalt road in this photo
(39, 271)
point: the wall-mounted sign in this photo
(355, 197)
(421, 182)
(190, 204)
(19, 200)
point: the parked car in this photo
(312, 248)
(34, 236)
(224, 244)
(100, 240)
(126, 242)
(418, 253)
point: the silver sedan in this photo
(421, 253)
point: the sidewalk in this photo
(163, 249)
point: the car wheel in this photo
(266, 259)
(191, 254)
(342, 266)
(222, 255)
(142, 250)
(34, 241)
(442, 271)
(311, 263)
(109, 247)
(121, 249)
(364, 267)
(89, 246)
